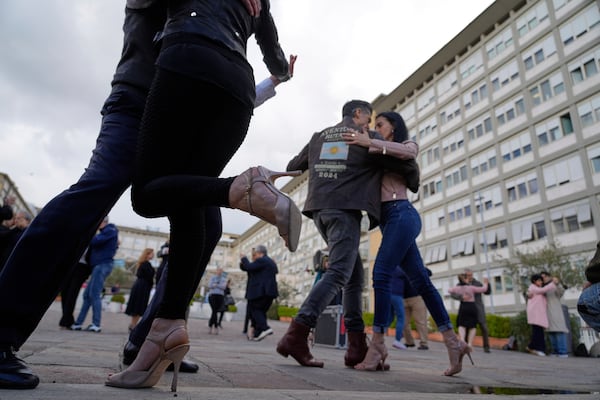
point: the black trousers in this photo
(258, 313)
(216, 302)
(179, 159)
(70, 292)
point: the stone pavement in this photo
(74, 365)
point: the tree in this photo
(552, 259)
(286, 292)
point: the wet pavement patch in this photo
(521, 391)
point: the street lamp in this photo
(485, 249)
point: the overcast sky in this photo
(57, 58)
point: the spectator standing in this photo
(216, 299)
(140, 292)
(261, 289)
(537, 314)
(102, 250)
(557, 326)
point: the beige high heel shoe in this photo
(376, 355)
(457, 349)
(163, 330)
(254, 192)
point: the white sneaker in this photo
(399, 345)
(76, 327)
(93, 328)
(263, 334)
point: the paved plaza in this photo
(74, 365)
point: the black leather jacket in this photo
(228, 23)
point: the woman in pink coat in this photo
(537, 315)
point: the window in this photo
(554, 129)
(453, 142)
(510, 110)
(530, 229)
(456, 176)
(495, 238)
(446, 83)
(450, 112)
(488, 199)
(539, 52)
(585, 66)
(532, 18)
(462, 246)
(547, 89)
(430, 156)
(434, 219)
(499, 43)
(407, 112)
(515, 147)
(432, 187)
(505, 75)
(425, 99)
(475, 95)
(471, 65)
(483, 162)
(435, 253)
(459, 210)
(571, 218)
(594, 157)
(579, 25)
(522, 187)
(589, 111)
(427, 127)
(479, 127)
(563, 172)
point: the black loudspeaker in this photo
(330, 329)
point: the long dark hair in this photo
(400, 131)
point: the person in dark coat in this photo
(140, 292)
(261, 290)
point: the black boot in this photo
(130, 352)
(14, 373)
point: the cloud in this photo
(58, 58)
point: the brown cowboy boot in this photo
(357, 348)
(295, 343)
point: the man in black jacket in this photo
(261, 289)
(344, 181)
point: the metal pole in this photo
(485, 250)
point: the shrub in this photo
(285, 311)
(118, 298)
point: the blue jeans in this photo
(558, 341)
(400, 226)
(92, 295)
(588, 306)
(50, 248)
(398, 307)
(341, 231)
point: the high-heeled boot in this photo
(171, 339)
(357, 348)
(295, 343)
(254, 192)
(376, 354)
(457, 349)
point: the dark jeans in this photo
(213, 235)
(70, 292)
(341, 231)
(48, 251)
(258, 312)
(400, 226)
(179, 159)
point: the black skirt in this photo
(467, 314)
